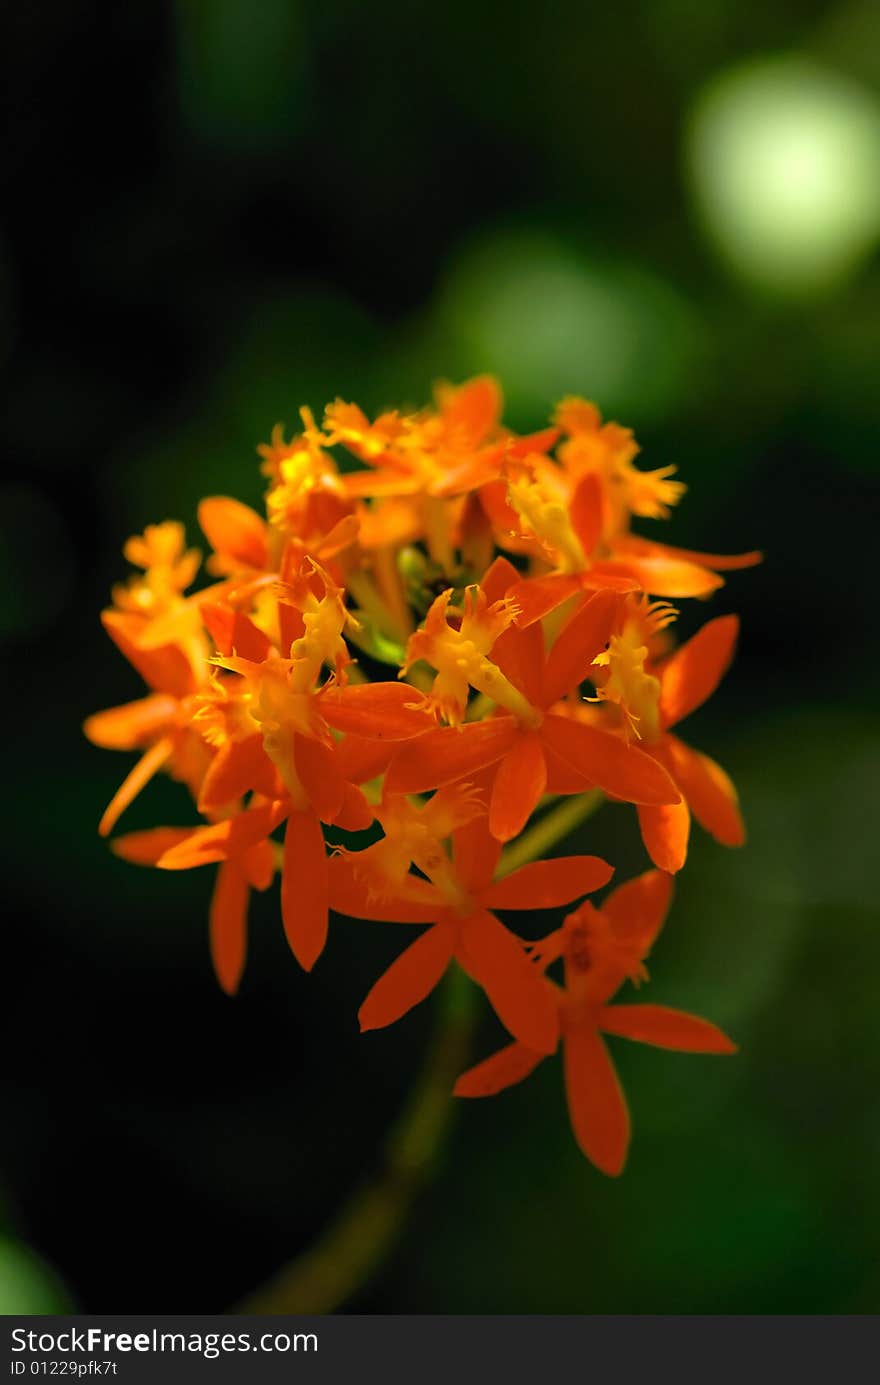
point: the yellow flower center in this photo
(460, 657)
(628, 685)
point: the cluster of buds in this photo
(438, 626)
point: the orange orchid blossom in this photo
(271, 732)
(574, 512)
(536, 750)
(160, 632)
(433, 626)
(441, 452)
(601, 949)
(456, 900)
(643, 698)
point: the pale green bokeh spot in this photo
(26, 1284)
(783, 156)
(549, 321)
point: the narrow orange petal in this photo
(665, 829)
(236, 769)
(304, 888)
(548, 884)
(586, 511)
(503, 1069)
(219, 620)
(519, 784)
(233, 632)
(248, 640)
(228, 925)
(536, 597)
(342, 535)
(596, 1103)
(709, 791)
(361, 759)
(664, 1028)
(582, 637)
(605, 760)
(482, 467)
(472, 409)
(721, 562)
(145, 848)
(350, 896)
(149, 764)
(475, 851)
(693, 672)
(132, 725)
(411, 977)
(563, 778)
(661, 576)
(258, 864)
(448, 753)
(638, 908)
(166, 669)
(384, 481)
(398, 521)
(541, 441)
(319, 775)
(607, 575)
(380, 711)
(519, 653)
(355, 815)
(222, 840)
(500, 513)
(517, 991)
(234, 530)
(498, 577)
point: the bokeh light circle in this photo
(550, 320)
(783, 157)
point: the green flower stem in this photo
(553, 827)
(369, 600)
(364, 1231)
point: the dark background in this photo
(215, 211)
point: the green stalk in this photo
(363, 1232)
(358, 1239)
(553, 827)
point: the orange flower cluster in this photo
(422, 645)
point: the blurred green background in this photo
(216, 211)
